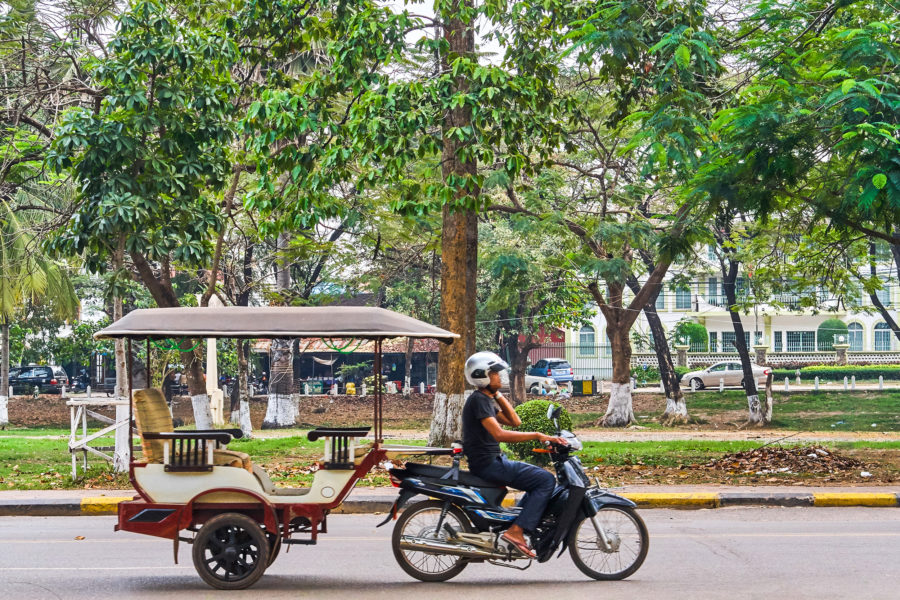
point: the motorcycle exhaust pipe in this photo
(417, 544)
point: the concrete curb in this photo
(107, 505)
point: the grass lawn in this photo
(811, 411)
(39, 463)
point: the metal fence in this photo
(588, 362)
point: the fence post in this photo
(817, 383)
(421, 387)
(364, 390)
(880, 383)
(787, 384)
(845, 383)
(853, 382)
(798, 376)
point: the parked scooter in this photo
(434, 540)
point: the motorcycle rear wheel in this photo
(420, 520)
(627, 535)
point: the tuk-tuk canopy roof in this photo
(363, 322)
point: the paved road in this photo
(727, 553)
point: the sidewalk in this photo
(48, 503)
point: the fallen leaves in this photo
(791, 460)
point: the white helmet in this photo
(480, 364)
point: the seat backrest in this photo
(152, 415)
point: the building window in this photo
(711, 252)
(757, 338)
(683, 298)
(884, 294)
(586, 341)
(883, 335)
(713, 341)
(607, 347)
(712, 292)
(661, 300)
(728, 339)
(801, 341)
(855, 337)
(779, 347)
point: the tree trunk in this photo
(620, 411)
(407, 375)
(757, 412)
(280, 410)
(676, 408)
(458, 243)
(876, 301)
(243, 416)
(518, 362)
(4, 375)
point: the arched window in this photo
(855, 337)
(587, 341)
(883, 335)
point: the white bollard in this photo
(88, 390)
(123, 440)
(853, 382)
(421, 387)
(817, 383)
(600, 387)
(662, 388)
(633, 383)
(798, 376)
(334, 389)
(787, 384)
(10, 392)
(363, 390)
(845, 384)
(306, 389)
(721, 384)
(880, 382)
(62, 392)
(693, 385)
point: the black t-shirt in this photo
(479, 445)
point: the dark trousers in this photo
(537, 484)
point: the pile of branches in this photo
(777, 459)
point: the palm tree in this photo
(27, 276)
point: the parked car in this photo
(557, 368)
(48, 379)
(533, 383)
(730, 371)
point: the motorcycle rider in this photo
(486, 409)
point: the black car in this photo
(48, 379)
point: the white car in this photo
(533, 383)
(730, 371)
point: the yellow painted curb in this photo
(102, 505)
(662, 500)
(851, 499)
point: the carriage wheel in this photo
(231, 552)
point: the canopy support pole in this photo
(128, 363)
(149, 382)
(378, 394)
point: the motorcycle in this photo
(434, 540)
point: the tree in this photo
(354, 121)
(26, 277)
(151, 155)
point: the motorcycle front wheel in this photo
(626, 544)
(420, 521)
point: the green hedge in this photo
(838, 372)
(534, 418)
(682, 371)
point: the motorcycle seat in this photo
(436, 472)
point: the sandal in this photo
(520, 546)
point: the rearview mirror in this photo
(553, 411)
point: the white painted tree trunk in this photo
(244, 418)
(446, 419)
(123, 440)
(676, 409)
(620, 411)
(202, 413)
(4, 374)
(279, 411)
(757, 412)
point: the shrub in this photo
(682, 371)
(534, 418)
(828, 330)
(645, 373)
(838, 372)
(692, 333)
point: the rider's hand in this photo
(544, 439)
